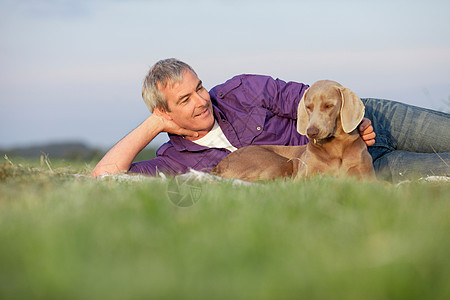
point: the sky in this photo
(72, 70)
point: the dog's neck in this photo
(336, 144)
(338, 134)
(322, 141)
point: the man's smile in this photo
(203, 113)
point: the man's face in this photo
(189, 104)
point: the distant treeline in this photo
(67, 150)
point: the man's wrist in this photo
(154, 124)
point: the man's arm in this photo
(119, 158)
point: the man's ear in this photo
(162, 113)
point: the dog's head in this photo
(325, 107)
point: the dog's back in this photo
(265, 162)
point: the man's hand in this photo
(366, 132)
(169, 126)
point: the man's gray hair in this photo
(160, 74)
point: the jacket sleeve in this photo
(155, 165)
(276, 95)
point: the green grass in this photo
(66, 237)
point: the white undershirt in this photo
(215, 139)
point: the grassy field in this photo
(67, 237)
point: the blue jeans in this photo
(411, 142)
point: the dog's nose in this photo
(312, 132)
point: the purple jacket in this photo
(250, 109)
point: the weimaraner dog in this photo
(328, 114)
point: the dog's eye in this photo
(309, 107)
(328, 105)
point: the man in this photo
(252, 109)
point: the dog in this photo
(328, 114)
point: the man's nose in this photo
(199, 99)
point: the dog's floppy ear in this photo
(302, 116)
(352, 110)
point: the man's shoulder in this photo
(244, 78)
(249, 82)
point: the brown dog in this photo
(329, 115)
